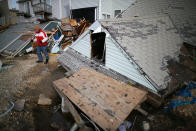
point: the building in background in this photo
(60, 9)
(37, 9)
(17, 11)
(91, 10)
(4, 12)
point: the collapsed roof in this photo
(150, 42)
(181, 12)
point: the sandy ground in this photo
(27, 80)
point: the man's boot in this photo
(38, 61)
(46, 62)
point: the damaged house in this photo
(134, 48)
(137, 45)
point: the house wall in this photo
(60, 9)
(115, 58)
(65, 9)
(4, 12)
(105, 8)
(121, 4)
(13, 4)
(35, 2)
(56, 8)
(77, 4)
(109, 6)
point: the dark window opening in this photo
(98, 46)
(117, 12)
(87, 13)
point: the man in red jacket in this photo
(41, 39)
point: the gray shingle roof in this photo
(74, 61)
(7, 36)
(181, 12)
(150, 42)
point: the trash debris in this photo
(89, 96)
(43, 100)
(124, 126)
(146, 126)
(185, 93)
(19, 105)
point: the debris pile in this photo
(184, 101)
(60, 35)
(91, 91)
(72, 30)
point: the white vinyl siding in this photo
(83, 46)
(118, 62)
(115, 58)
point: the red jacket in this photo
(41, 38)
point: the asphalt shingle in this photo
(181, 12)
(150, 42)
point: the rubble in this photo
(92, 94)
(43, 100)
(72, 30)
(184, 101)
(146, 126)
(113, 67)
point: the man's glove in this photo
(31, 40)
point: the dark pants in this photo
(42, 49)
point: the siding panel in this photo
(83, 46)
(117, 61)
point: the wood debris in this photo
(106, 101)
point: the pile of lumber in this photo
(72, 30)
(106, 101)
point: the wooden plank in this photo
(106, 101)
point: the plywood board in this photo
(105, 100)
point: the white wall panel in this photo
(118, 62)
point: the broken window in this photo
(98, 46)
